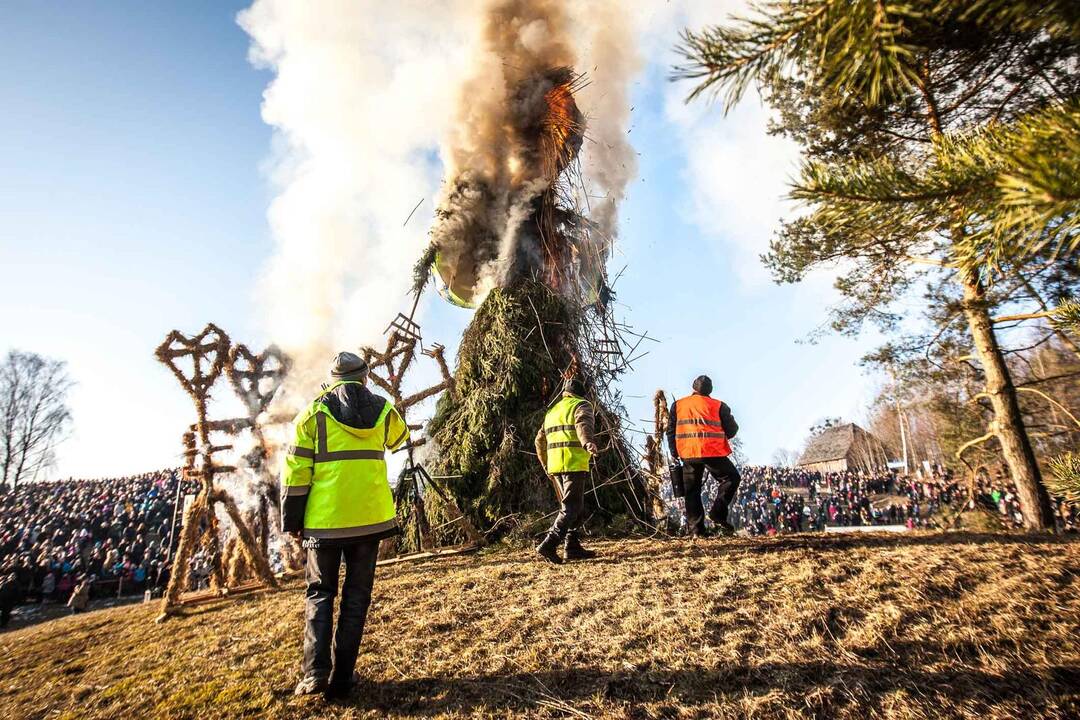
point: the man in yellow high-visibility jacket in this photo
(565, 445)
(336, 496)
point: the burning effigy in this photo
(513, 238)
(527, 103)
(510, 206)
(509, 219)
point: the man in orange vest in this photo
(698, 435)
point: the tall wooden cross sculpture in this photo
(656, 465)
(198, 362)
(256, 379)
(387, 370)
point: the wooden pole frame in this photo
(211, 354)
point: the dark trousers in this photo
(572, 512)
(727, 478)
(323, 566)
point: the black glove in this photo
(675, 472)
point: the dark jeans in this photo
(727, 478)
(323, 566)
(572, 512)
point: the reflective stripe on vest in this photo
(698, 430)
(564, 451)
(350, 495)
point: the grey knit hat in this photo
(574, 386)
(348, 366)
(702, 385)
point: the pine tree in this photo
(941, 135)
(1064, 480)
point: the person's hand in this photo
(592, 449)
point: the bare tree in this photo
(34, 414)
(783, 457)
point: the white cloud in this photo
(737, 174)
(738, 177)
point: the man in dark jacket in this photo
(565, 445)
(699, 435)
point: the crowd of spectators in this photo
(774, 500)
(68, 541)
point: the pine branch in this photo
(1034, 201)
(422, 270)
(858, 47)
(1058, 18)
(1063, 481)
(1066, 316)
(1064, 478)
(1019, 184)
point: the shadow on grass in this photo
(614, 552)
(865, 686)
(830, 542)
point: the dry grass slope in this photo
(958, 625)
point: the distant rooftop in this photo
(831, 444)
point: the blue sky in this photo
(134, 198)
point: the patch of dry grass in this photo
(916, 626)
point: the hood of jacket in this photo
(354, 407)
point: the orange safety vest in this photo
(698, 432)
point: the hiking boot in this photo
(572, 549)
(549, 549)
(701, 533)
(336, 691)
(723, 527)
(311, 686)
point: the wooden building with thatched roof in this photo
(844, 447)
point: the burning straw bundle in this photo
(512, 239)
(510, 367)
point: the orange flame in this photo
(562, 127)
(561, 131)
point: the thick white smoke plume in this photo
(372, 104)
(362, 92)
(611, 60)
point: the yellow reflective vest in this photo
(564, 450)
(342, 472)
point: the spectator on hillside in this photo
(9, 597)
(115, 530)
(80, 596)
(48, 586)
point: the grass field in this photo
(913, 626)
